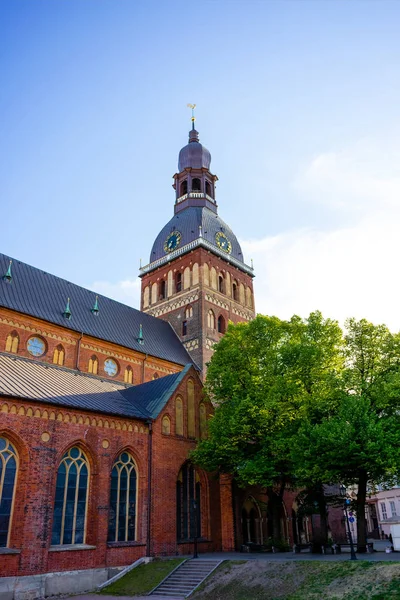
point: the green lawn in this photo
(143, 578)
(303, 580)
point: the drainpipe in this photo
(149, 487)
(78, 352)
(144, 360)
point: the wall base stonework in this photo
(32, 587)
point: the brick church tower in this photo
(197, 279)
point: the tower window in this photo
(183, 187)
(211, 319)
(178, 282)
(221, 324)
(196, 185)
(208, 189)
(221, 284)
(189, 312)
(235, 291)
(184, 327)
(163, 289)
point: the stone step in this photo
(185, 578)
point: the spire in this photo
(67, 312)
(193, 134)
(8, 277)
(95, 309)
(140, 339)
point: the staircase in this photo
(186, 578)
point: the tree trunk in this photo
(323, 513)
(361, 520)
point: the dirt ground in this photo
(258, 580)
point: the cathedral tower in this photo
(196, 278)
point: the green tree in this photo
(355, 439)
(262, 377)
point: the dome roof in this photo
(194, 154)
(187, 222)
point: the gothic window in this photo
(206, 274)
(155, 376)
(210, 319)
(12, 342)
(179, 416)
(59, 355)
(196, 185)
(163, 288)
(221, 324)
(128, 375)
(183, 187)
(154, 289)
(123, 498)
(208, 188)
(220, 284)
(235, 291)
(93, 365)
(203, 420)
(195, 274)
(241, 294)
(178, 281)
(70, 505)
(213, 278)
(188, 507)
(190, 409)
(146, 297)
(8, 477)
(166, 425)
(249, 300)
(186, 278)
(189, 312)
(184, 327)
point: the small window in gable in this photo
(155, 376)
(59, 355)
(189, 312)
(166, 425)
(93, 365)
(12, 342)
(128, 375)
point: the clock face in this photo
(36, 346)
(110, 367)
(172, 241)
(223, 242)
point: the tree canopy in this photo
(300, 403)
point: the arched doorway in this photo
(251, 522)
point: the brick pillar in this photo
(227, 517)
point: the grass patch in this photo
(302, 580)
(142, 579)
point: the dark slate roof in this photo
(187, 222)
(194, 155)
(33, 380)
(39, 294)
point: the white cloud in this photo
(126, 291)
(349, 271)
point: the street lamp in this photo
(347, 501)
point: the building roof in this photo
(187, 222)
(33, 380)
(39, 294)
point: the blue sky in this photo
(298, 102)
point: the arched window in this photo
(210, 319)
(8, 477)
(184, 327)
(122, 520)
(188, 508)
(208, 188)
(220, 284)
(178, 281)
(93, 365)
(154, 289)
(188, 312)
(179, 416)
(70, 505)
(190, 409)
(235, 291)
(196, 185)
(128, 375)
(59, 355)
(163, 289)
(146, 297)
(12, 342)
(203, 420)
(183, 187)
(166, 425)
(155, 375)
(221, 324)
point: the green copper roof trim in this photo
(95, 309)
(67, 312)
(140, 338)
(8, 276)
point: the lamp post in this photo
(194, 515)
(347, 501)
